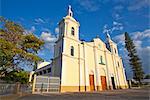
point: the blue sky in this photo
(95, 17)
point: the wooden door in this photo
(103, 82)
(92, 86)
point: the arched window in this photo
(72, 51)
(118, 64)
(72, 30)
(101, 59)
(115, 50)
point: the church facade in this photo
(86, 66)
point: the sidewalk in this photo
(13, 96)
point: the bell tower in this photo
(111, 46)
(66, 52)
(68, 26)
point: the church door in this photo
(92, 86)
(103, 82)
(113, 82)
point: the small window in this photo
(101, 59)
(44, 71)
(72, 51)
(115, 50)
(49, 70)
(72, 31)
(118, 64)
(40, 72)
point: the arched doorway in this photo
(103, 79)
(91, 79)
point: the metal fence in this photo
(45, 84)
(6, 88)
(14, 88)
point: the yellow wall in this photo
(75, 70)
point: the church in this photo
(85, 66)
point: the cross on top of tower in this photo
(108, 36)
(70, 13)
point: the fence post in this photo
(34, 82)
(42, 88)
(17, 88)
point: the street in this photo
(128, 94)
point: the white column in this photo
(96, 73)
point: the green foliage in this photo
(134, 60)
(17, 46)
(17, 76)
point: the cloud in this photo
(45, 29)
(48, 37)
(116, 26)
(31, 30)
(106, 29)
(119, 7)
(56, 30)
(138, 4)
(39, 21)
(48, 47)
(119, 39)
(139, 39)
(141, 35)
(89, 5)
(145, 56)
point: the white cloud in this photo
(116, 26)
(45, 29)
(56, 30)
(117, 16)
(138, 39)
(106, 29)
(118, 7)
(31, 30)
(138, 4)
(48, 37)
(89, 5)
(145, 56)
(39, 21)
(48, 47)
(119, 39)
(141, 35)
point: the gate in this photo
(45, 84)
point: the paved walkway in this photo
(129, 94)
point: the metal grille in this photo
(45, 84)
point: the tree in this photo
(134, 60)
(17, 46)
(17, 76)
(147, 76)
